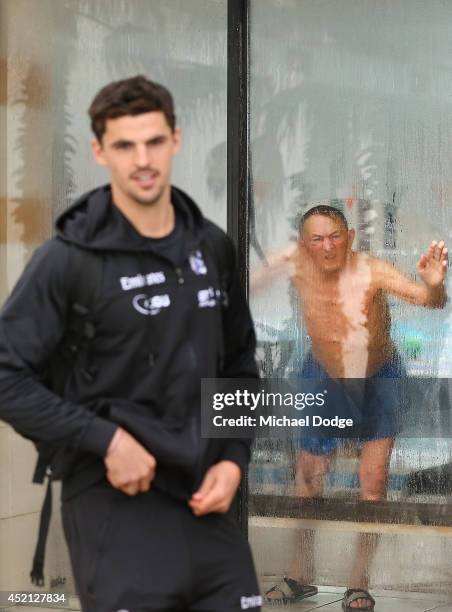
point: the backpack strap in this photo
(84, 283)
(37, 570)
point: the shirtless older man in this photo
(343, 301)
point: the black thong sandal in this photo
(289, 591)
(352, 595)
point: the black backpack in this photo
(55, 461)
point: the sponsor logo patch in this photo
(142, 280)
(254, 601)
(150, 305)
(208, 298)
(197, 263)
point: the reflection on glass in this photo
(353, 99)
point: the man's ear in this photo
(98, 152)
(176, 141)
(351, 237)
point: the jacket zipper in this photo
(181, 283)
(195, 421)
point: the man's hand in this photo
(279, 265)
(130, 467)
(432, 266)
(217, 489)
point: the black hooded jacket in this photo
(157, 334)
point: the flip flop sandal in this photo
(289, 591)
(352, 595)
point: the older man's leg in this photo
(373, 477)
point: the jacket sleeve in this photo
(239, 351)
(32, 323)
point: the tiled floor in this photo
(329, 600)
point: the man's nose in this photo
(142, 156)
(327, 244)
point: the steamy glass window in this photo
(350, 113)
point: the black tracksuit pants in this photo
(149, 552)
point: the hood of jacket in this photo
(95, 223)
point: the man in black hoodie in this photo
(145, 501)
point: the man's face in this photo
(138, 150)
(327, 241)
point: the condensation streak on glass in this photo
(350, 108)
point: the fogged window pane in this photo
(350, 108)
(55, 55)
(72, 48)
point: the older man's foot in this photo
(289, 591)
(358, 599)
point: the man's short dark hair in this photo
(132, 96)
(325, 211)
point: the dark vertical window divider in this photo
(238, 183)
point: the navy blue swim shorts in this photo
(376, 402)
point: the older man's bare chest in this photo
(335, 309)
